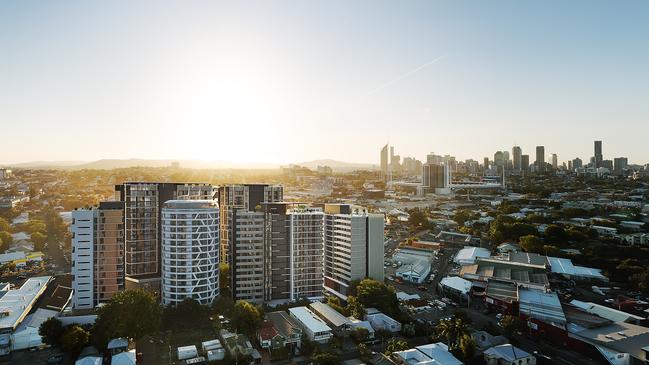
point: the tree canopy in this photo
(375, 294)
(246, 318)
(130, 314)
(74, 339)
(51, 331)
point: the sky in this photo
(292, 81)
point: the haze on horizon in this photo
(291, 81)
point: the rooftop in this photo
(507, 352)
(468, 254)
(541, 305)
(329, 314)
(611, 314)
(309, 319)
(15, 304)
(190, 204)
(457, 283)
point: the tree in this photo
(467, 347)
(325, 358)
(246, 318)
(129, 313)
(74, 339)
(334, 302)
(224, 275)
(39, 240)
(6, 238)
(556, 234)
(452, 329)
(355, 308)
(375, 294)
(550, 250)
(463, 215)
(417, 219)
(187, 314)
(531, 243)
(360, 334)
(364, 351)
(510, 324)
(51, 331)
(4, 225)
(395, 344)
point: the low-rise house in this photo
(213, 349)
(380, 321)
(314, 327)
(287, 327)
(434, 353)
(508, 355)
(124, 358)
(484, 340)
(239, 344)
(269, 337)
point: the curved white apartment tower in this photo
(190, 251)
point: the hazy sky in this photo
(289, 81)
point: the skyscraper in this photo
(190, 251)
(499, 161)
(525, 163)
(599, 157)
(540, 158)
(554, 161)
(98, 254)
(433, 177)
(517, 153)
(619, 164)
(577, 163)
(384, 162)
(353, 247)
(294, 251)
(247, 269)
(244, 196)
(143, 202)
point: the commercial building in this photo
(540, 158)
(554, 161)
(434, 176)
(599, 156)
(15, 304)
(384, 162)
(525, 163)
(190, 251)
(353, 247)
(619, 165)
(517, 154)
(97, 254)
(468, 255)
(246, 197)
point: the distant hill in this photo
(339, 166)
(108, 164)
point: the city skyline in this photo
(423, 78)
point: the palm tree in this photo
(453, 330)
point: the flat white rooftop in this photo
(309, 319)
(15, 304)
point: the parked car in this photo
(55, 359)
